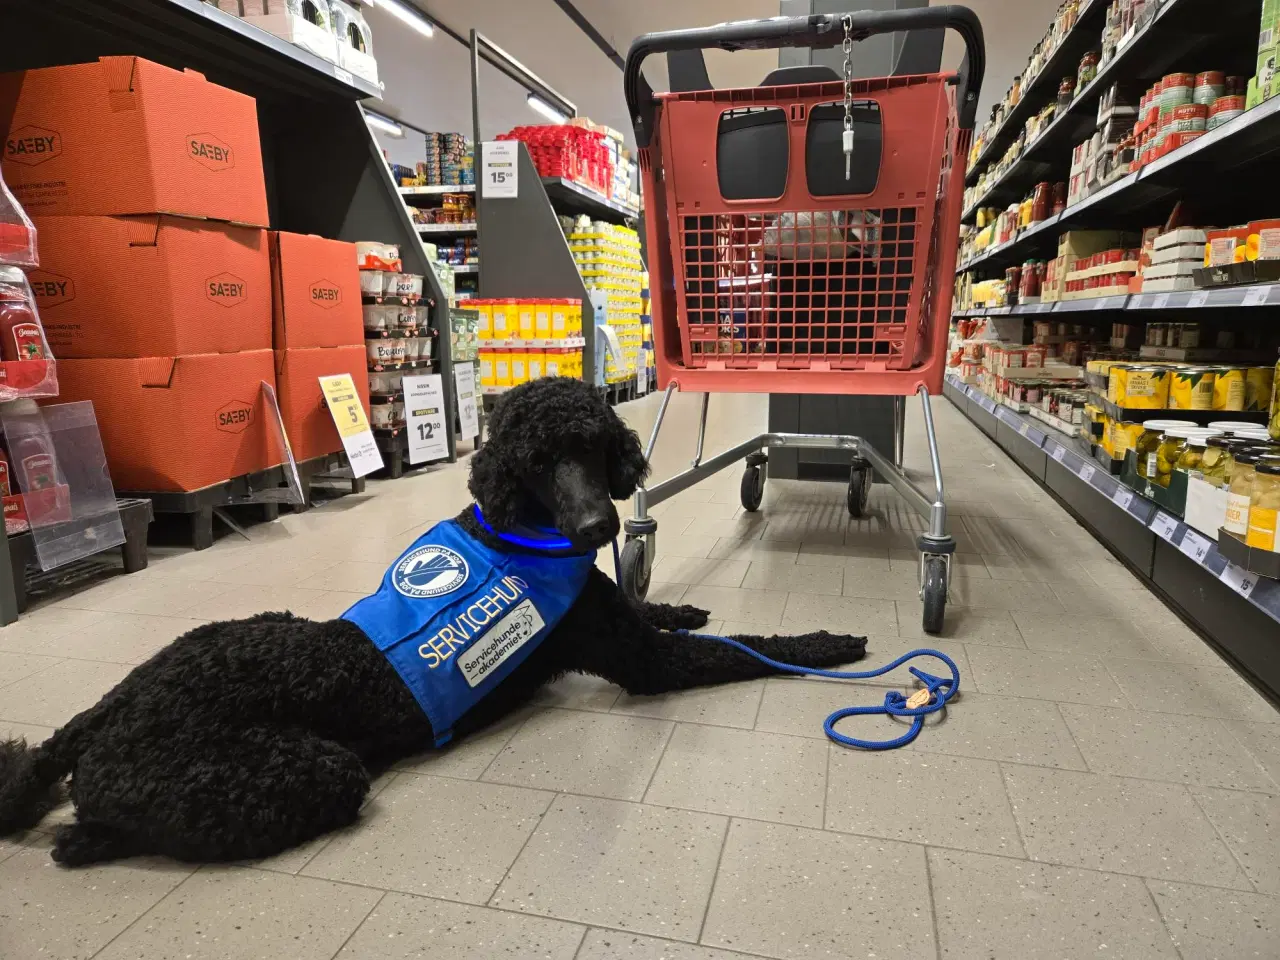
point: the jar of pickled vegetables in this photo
(1216, 461)
(1149, 442)
(1264, 506)
(1240, 493)
(1191, 459)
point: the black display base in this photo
(1265, 563)
(135, 517)
(311, 470)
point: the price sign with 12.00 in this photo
(425, 417)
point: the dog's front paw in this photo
(823, 649)
(691, 618)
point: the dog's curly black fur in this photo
(244, 738)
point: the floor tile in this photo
(859, 556)
(117, 637)
(1066, 678)
(688, 545)
(730, 549)
(612, 945)
(232, 913)
(171, 598)
(894, 796)
(1002, 728)
(697, 570)
(48, 911)
(352, 576)
(730, 705)
(970, 624)
(419, 928)
(853, 615)
(468, 757)
(1250, 824)
(1003, 594)
(1190, 689)
(1100, 637)
(1262, 740)
(451, 839)
(268, 572)
(742, 773)
(56, 694)
(595, 754)
(33, 733)
(623, 865)
(1117, 825)
(238, 602)
(577, 691)
(893, 584)
(785, 575)
(994, 908)
(1162, 746)
(749, 527)
(18, 666)
(962, 564)
(1209, 924)
(726, 603)
(773, 895)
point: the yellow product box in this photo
(525, 323)
(488, 376)
(559, 319)
(537, 361)
(519, 367)
(505, 319)
(542, 319)
(484, 324)
(502, 368)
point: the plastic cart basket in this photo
(802, 238)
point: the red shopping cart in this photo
(802, 238)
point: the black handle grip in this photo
(818, 31)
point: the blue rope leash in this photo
(941, 689)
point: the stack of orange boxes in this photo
(146, 187)
(318, 332)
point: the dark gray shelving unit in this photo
(324, 173)
(1180, 564)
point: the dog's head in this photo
(557, 453)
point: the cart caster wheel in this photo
(859, 493)
(631, 570)
(752, 488)
(934, 593)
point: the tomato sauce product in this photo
(20, 335)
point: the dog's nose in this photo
(594, 529)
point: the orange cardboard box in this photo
(178, 423)
(315, 292)
(306, 416)
(152, 286)
(125, 135)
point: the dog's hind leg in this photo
(667, 616)
(209, 795)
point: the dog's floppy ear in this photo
(495, 486)
(627, 465)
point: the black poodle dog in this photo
(247, 737)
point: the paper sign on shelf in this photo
(1198, 299)
(1086, 472)
(464, 379)
(425, 415)
(353, 427)
(1238, 579)
(1256, 296)
(1122, 497)
(499, 172)
(1163, 526)
(1059, 453)
(1194, 546)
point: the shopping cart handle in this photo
(818, 31)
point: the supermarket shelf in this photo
(181, 34)
(1237, 612)
(1216, 298)
(436, 190)
(434, 229)
(580, 199)
(466, 268)
(1082, 37)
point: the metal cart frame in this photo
(723, 321)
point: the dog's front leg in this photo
(606, 636)
(667, 616)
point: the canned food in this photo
(1224, 109)
(1209, 86)
(1229, 389)
(1144, 388)
(1258, 384)
(1176, 89)
(1191, 388)
(1188, 117)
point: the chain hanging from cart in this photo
(802, 238)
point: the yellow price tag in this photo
(344, 404)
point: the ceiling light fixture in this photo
(538, 105)
(384, 124)
(408, 15)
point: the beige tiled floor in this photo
(1104, 787)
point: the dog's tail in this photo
(30, 784)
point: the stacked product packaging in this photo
(608, 257)
(333, 29)
(450, 162)
(397, 330)
(522, 339)
(164, 295)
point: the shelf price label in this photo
(1194, 546)
(425, 415)
(344, 404)
(1163, 526)
(1059, 453)
(1086, 472)
(1238, 579)
(1160, 302)
(1122, 497)
(1256, 296)
(1198, 299)
(499, 171)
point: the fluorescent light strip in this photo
(408, 15)
(538, 105)
(385, 124)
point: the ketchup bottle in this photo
(5, 489)
(31, 455)
(20, 335)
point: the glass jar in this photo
(1088, 70)
(1264, 506)
(1172, 445)
(1041, 201)
(1149, 443)
(1215, 462)
(1060, 200)
(1240, 493)
(1066, 92)
(1273, 427)
(1191, 459)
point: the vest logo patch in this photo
(501, 641)
(429, 571)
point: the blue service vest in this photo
(455, 617)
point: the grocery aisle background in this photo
(1104, 785)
